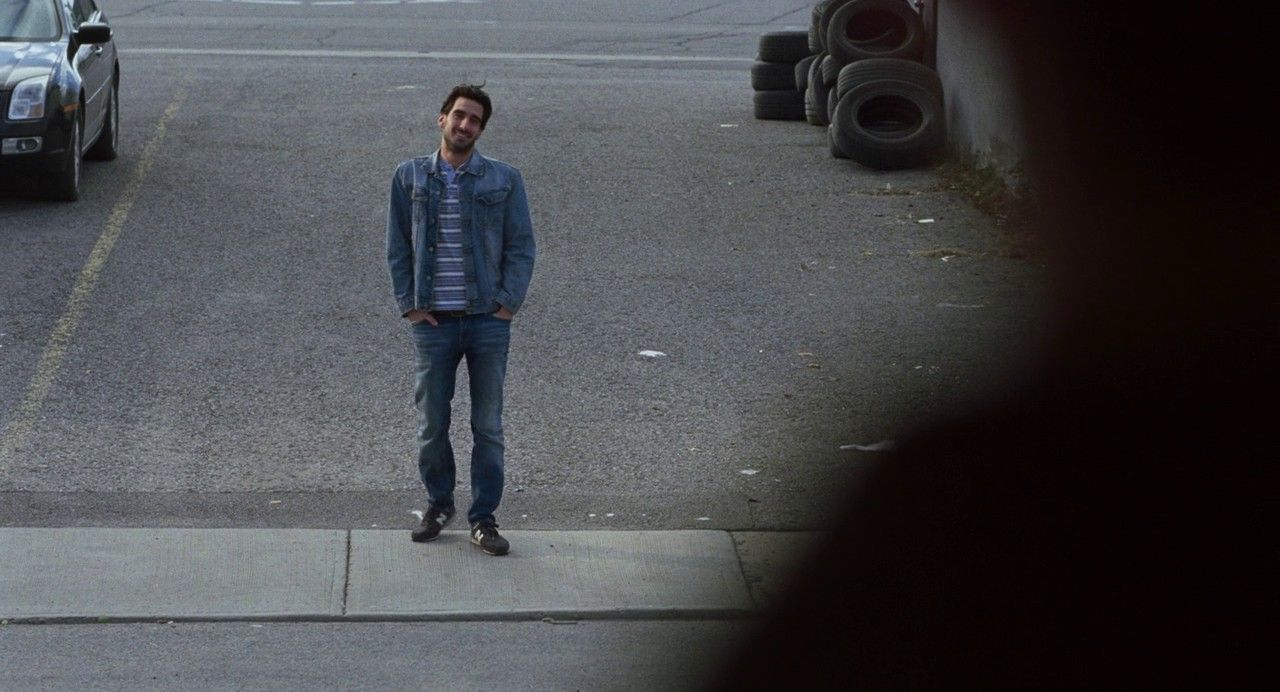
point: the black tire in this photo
(824, 20)
(833, 145)
(862, 29)
(64, 185)
(816, 39)
(816, 96)
(831, 70)
(802, 73)
(873, 69)
(784, 46)
(773, 76)
(107, 147)
(779, 105)
(831, 105)
(889, 124)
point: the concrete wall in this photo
(983, 123)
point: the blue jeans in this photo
(483, 341)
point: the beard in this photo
(458, 145)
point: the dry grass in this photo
(1009, 208)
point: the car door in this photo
(94, 65)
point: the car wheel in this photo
(108, 145)
(64, 185)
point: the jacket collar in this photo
(476, 166)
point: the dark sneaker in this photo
(432, 522)
(486, 536)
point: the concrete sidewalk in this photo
(105, 575)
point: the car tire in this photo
(824, 20)
(779, 105)
(830, 69)
(773, 76)
(831, 105)
(816, 96)
(861, 29)
(107, 148)
(889, 124)
(873, 69)
(802, 73)
(816, 39)
(784, 46)
(64, 185)
(833, 145)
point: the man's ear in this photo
(440, 120)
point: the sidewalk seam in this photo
(746, 579)
(346, 576)
(539, 615)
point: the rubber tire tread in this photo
(833, 145)
(63, 185)
(102, 150)
(873, 69)
(874, 150)
(824, 20)
(816, 40)
(830, 68)
(802, 72)
(773, 76)
(783, 46)
(816, 96)
(846, 50)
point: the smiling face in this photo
(461, 126)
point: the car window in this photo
(28, 20)
(79, 13)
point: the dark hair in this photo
(475, 92)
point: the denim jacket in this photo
(497, 233)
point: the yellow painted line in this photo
(20, 426)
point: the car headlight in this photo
(27, 100)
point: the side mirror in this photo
(92, 33)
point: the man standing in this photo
(460, 249)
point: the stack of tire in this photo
(773, 76)
(865, 82)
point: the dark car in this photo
(59, 81)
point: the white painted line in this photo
(19, 427)
(271, 2)
(432, 55)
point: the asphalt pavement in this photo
(237, 361)
(726, 328)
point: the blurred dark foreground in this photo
(1101, 524)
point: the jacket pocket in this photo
(493, 198)
(489, 211)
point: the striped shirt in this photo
(449, 290)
